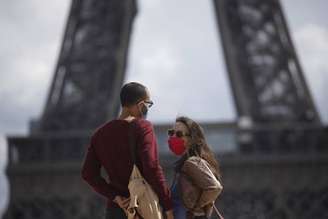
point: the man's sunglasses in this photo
(179, 134)
(149, 103)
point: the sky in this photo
(175, 51)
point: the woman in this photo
(187, 139)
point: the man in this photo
(109, 148)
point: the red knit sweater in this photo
(109, 148)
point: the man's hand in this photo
(122, 202)
(169, 214)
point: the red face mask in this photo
(177, 145)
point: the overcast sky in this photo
(175, 51)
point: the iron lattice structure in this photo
(265, 75)
(270, 95)
(267, 81)
(91, 66)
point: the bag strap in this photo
(217, 212)
(132, 141)
(174, 179)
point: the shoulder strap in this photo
(174, 180)
(217, 212)
(132, 141)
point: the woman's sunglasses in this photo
(178, 133)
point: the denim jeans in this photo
(115, 213)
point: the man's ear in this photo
(140, 104)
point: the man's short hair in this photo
(132, 93)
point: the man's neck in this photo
(125, 115)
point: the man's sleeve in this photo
(152, 171)
(91, 173)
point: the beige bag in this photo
(198, 185)
(144, 202)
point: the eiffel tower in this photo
(282, 144)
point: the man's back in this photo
(110, 148)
